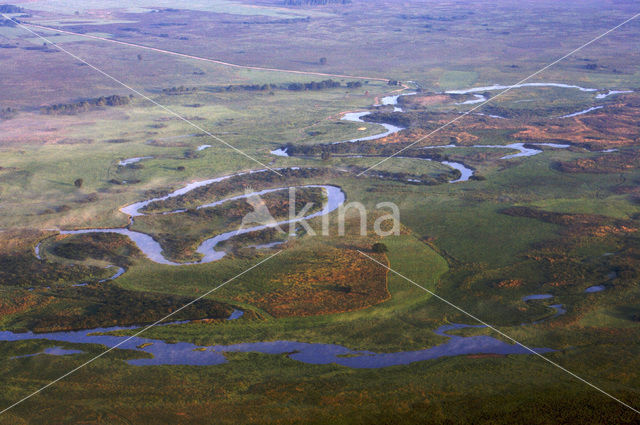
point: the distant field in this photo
(142, 6)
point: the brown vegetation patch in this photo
(615, 125)
(510, 283)
(609, 163)
(612, 126)
(19, 303)
(332, 280)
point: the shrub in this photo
(379, 247)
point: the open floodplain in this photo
(133, 175)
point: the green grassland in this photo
(523, 227)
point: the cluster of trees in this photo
(179, 90)
(86, 105)
(326, 151)
(363, 147)
(251, 87)
(325, 84)
(10, 8)
(313, 85)
(314, 2)
(6, 23)
(435, 18)
(408, 178)
(7, 113)
(269, 22)
(379, 247)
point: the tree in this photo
(326, 155)
(323, 61)
(379, 247)
(78, 183)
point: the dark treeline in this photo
(368, 148)
(419, 119)
(407, 178)
(10, 8)
(7, 113)
(314, 2)
(313, 85)
(435, 18)
(364, 147)
(269, 21)
(180, 90)
(86, 105)
(529, 113)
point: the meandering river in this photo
(153, 250)
(184, 353)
